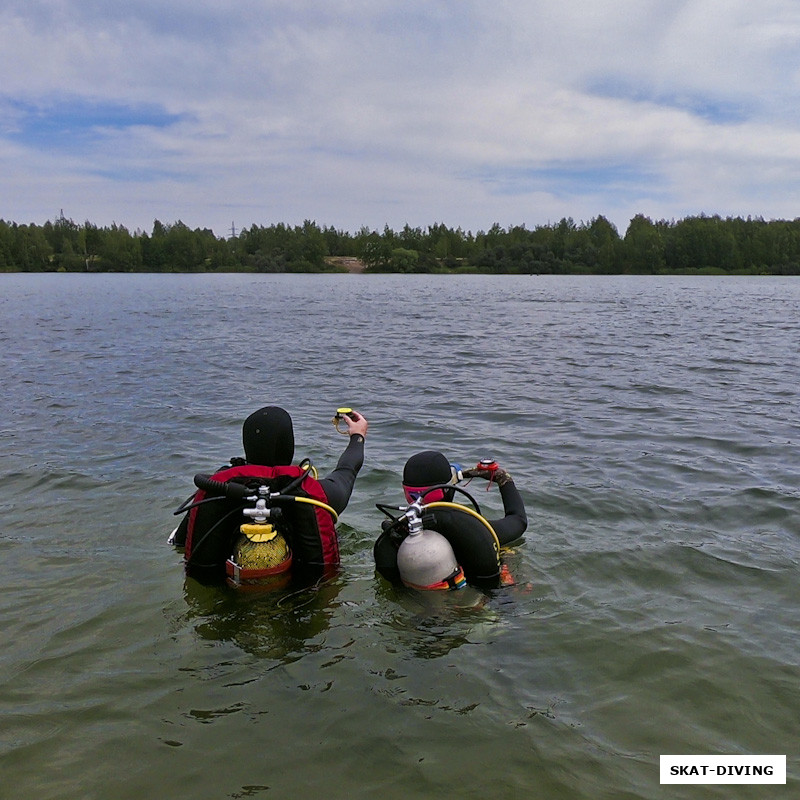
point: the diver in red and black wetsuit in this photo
(209, 529)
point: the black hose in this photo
(454, 487)
(185, 505)
(300, 478)
(215, 491)
(229, 489)
(196, 545)
(387, 509)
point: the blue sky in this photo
(369, 112)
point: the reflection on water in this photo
(283, 626)
(275, 625)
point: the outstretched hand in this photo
(498, 475)
(356, 423)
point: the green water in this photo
(650, 423)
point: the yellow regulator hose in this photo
(312, 502)
(445, 504)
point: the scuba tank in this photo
(261, 556)
(425, 559)
(420, 560)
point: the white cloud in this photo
(372, 112)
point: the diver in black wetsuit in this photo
(465, 534)
(268, 439)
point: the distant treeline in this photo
(701, 244)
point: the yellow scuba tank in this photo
(261, 557)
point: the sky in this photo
(367, 113)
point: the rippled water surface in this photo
(650, 423)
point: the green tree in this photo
(31, 251)
(606, 242)
(701, 243)
(6, 240)
(644, 246)
(403, 260)
(118, 251)
(374, 250)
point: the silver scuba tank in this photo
(425, 558)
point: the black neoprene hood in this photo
(426, 469)
(268, 437)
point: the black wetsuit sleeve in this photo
(514, 523)
(339, 484)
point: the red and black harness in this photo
(213, 522)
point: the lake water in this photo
(650, 423)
